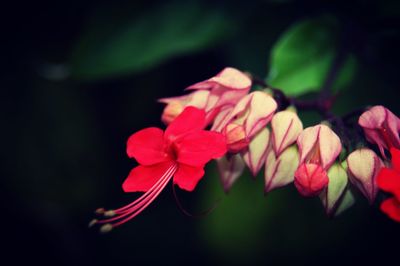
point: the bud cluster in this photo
(260, 134)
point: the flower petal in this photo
(391, 207)
(175, 105)
(262, 107)
(336, 187)
(142, 178)
(256, 153)
(146, 146)
(395, 159)
(286, 127)
(373, 118)
(389, 181)
(364, 166)
(279, 171)
(329, 145)
(199, 147)
(191, 119)
(187, 176)
(306, 141)
(226, 88)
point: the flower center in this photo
(173, 152)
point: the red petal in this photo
(395, 158)
(198, 148)
(187, 177)
(142, 178)
(391, 207)
(189, 120)
(146, 146)
(389, 180)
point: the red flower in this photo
(389, 181)
(179, 153)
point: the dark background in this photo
(64, 128)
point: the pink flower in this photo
(216, 96)
(179, 153)
(248, 117)
(319, 147)
(364, 166)
(381, 127)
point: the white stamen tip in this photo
(100, 211)
(109, 213)
(92, 222)
(106, 228)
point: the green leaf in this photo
(303, 55)
(118, 42)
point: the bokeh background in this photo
(78, 77)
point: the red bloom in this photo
(389, 181)
(179, 153)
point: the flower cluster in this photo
(251, 128)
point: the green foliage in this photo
(115, 45)
(302, 57)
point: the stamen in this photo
(100, 211)
(106, 228)
(109, 213)
(131, 210)
(93, 222)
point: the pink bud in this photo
(253, 112)
(175, 105)
(254, 156)
(310, 179)
(381, 127)
(171, 111)
(279, 170)
(226, 88)
(235, 137)
(230, 170)
(286, 127)
(364, 166)
(319, 145)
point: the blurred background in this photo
(79, 77)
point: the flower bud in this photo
(226, 88)
(381, 127)
(175, 105)
(171, 111)
(254, 156)
(286, 127)
(230, 169)
(363, 167)
(235, 137)
(319, 145)
(310, 179)
(253, 112)
(332, 196)
(279, 171)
